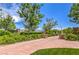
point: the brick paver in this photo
(28, 47)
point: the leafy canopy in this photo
(74, 13)
(7, 23)
(31, 15)
(50, 23)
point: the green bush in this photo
(53, 32)
(18, 37)
(28, 33)
(76, 30)
(68, 31)
(2, 40)
(6, 39)
(34, 36)
(2, 32)
(72, 37)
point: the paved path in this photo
(25, 48)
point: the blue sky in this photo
(58, 11)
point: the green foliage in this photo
(76, 30)
(32, 32)
(2, 32)
(72, 37)
(71, 34)
(53, 32)
(74, 13)
(7, 23)
(19, 38)
(6, 39)
(30, 12)
(57, 51)
(65, 32)
(68, 31)
(33, 35)
(50, 23)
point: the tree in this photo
(0, 17)
(31, 15)
(50, 23)
(74, 13)
(7, 23)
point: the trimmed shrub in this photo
(2, 32)
(76, 30)
(71, 37)
(18, 38)
(68, 31)
(2, 40)
(6, 39)
(53, 32)
(28, 33)
(65, 33)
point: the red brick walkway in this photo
(28, 47)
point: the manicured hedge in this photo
(13, 38)
(53, 32)
(76, 30)
(71, 34)
(28, 33)
(3, 32)
(7, 37)
(72, 37)
(67, 30)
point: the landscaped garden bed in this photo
(7, 37)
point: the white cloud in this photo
(39, 29)
(16, 18)
(59, 28)
(12, 10)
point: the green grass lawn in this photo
(57, 51)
